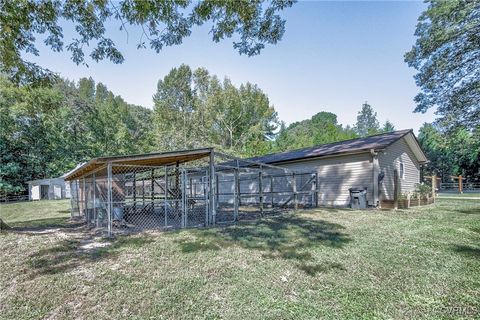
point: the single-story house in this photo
(358, 163)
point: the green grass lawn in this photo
(460, 195)
(36, 213)
(324, 263)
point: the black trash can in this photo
(358, 198)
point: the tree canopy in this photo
(252, 24)
(367, 122)
(194, 109)
(447, 57)
(46, 131)
(450, 152)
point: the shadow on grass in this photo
(474, 210)
(467, 251)
(283, 237)
(42, 226)
(71, 253)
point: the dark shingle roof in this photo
(376, 142)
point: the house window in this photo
(402, 171)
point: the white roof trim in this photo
(415, 147)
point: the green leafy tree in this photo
(163, 23)
(447, 58)
(451, 152)
(46, 131)
(387, 127)
(175, 110)
(367, 123)
(194, 109)
(29, 134)
(321, 128)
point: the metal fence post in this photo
(206, 198)
(212, 191)
(235, 194)
(77, 190)
(239, 195)
(165, 203)
(85, 211)
(109, 198)
(184, 207)
(94, 185)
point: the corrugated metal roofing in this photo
(375, 142)
(148, 159)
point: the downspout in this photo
(376, 172)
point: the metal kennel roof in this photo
(147, 159)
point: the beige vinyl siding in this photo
(337, 174)
(390, 159)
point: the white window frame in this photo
(401, 170)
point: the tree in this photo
(46, 131)
(321, 128)
(388, 127)
(194, 109)
(451, 152)
(174, 110)
(447, 57)
(163, 23)
(243, 120)
(367, 123)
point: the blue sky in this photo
(334, 56)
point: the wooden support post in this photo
(408, 200)
(316, 189)
(395, 189)
(294, 186)
(460, 184)
(260, 190)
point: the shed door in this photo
(35, 192)
(44, 191)
(57, 192)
